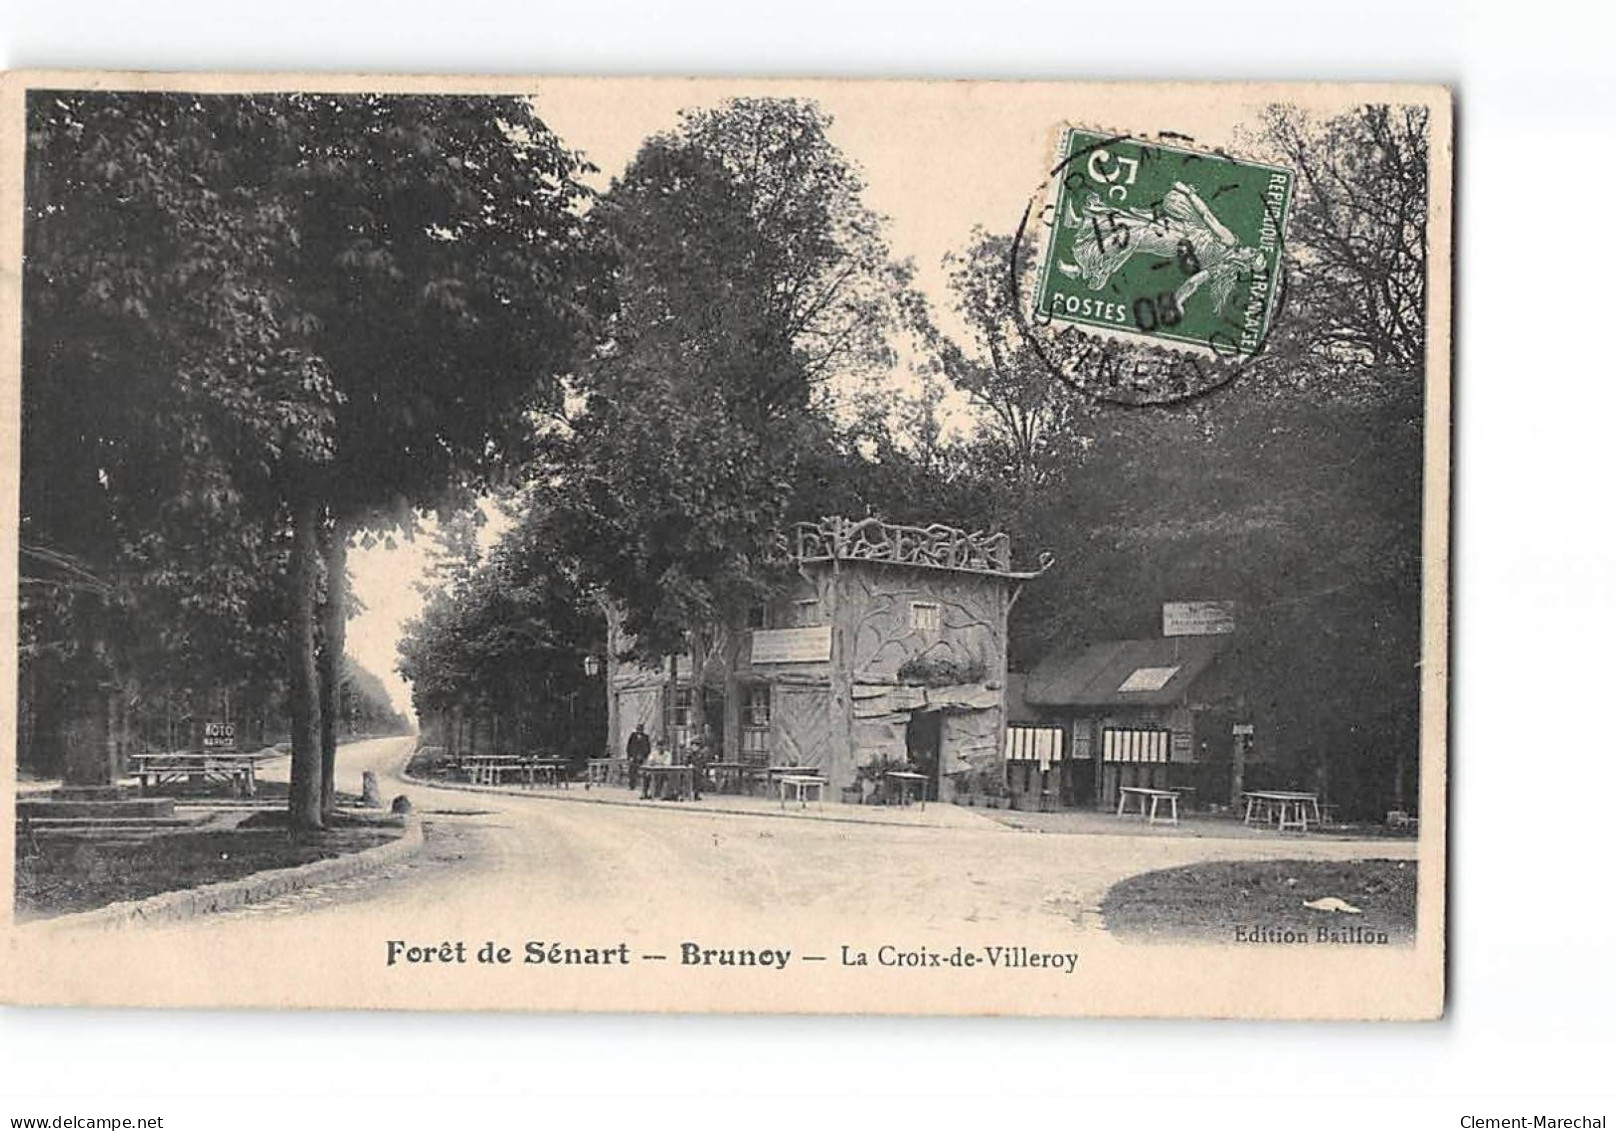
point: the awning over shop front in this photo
(1119, 673)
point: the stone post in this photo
(89, 739)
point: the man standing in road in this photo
(638, 749)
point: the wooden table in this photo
(1291, 808)
(1155, 797)
(771, 776)
(553, 771)
(729, 777)
(490, 769)
(667, 783)
(799, 785)
(530, 770)
(905, 780)
(607, 771)
(239, 771)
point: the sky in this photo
(938, 159)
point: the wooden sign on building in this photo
(791, 645)
(1197, 618)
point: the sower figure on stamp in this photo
(1181, 227)
(637, 750)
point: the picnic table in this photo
(910, 786)
(492, 769)
(530, 770)
(607, 771)
(730, 777)
(667, 783)
(1155, 797)
(239, 771)
(799, 785)
(770, 776)
(555, 771)
(1289, 809)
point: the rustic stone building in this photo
(890, 642)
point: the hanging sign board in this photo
(1197, 618)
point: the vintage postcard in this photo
(725, 545)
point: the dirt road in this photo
(651, 882)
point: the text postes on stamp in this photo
(1164, 242)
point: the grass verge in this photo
(60, 876)
(1238, 901)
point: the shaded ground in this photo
(1229, 901)
(1091, 822)
(263, 791)
(825, 808)
(58, 876)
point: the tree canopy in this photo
(747, 271)
(255, 321)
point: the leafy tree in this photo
(364, 707)
(1357, 285)
(303, 313)
(438, 262)
(1294, 490)
(748, 272)
(500, 652)
(1030, 419)
(167, 377)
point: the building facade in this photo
(1163, 714)
(888, 644)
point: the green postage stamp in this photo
(1165, 242)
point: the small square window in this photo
(805, 614)
(925, 616)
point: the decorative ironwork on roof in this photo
(928, 547)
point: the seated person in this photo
(659, 756)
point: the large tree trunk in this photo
(734, 638)
(303, 690)
(335, 626)
(614, 644)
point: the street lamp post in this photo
(591, 670)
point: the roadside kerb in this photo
(188, 903)
(703, 807)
